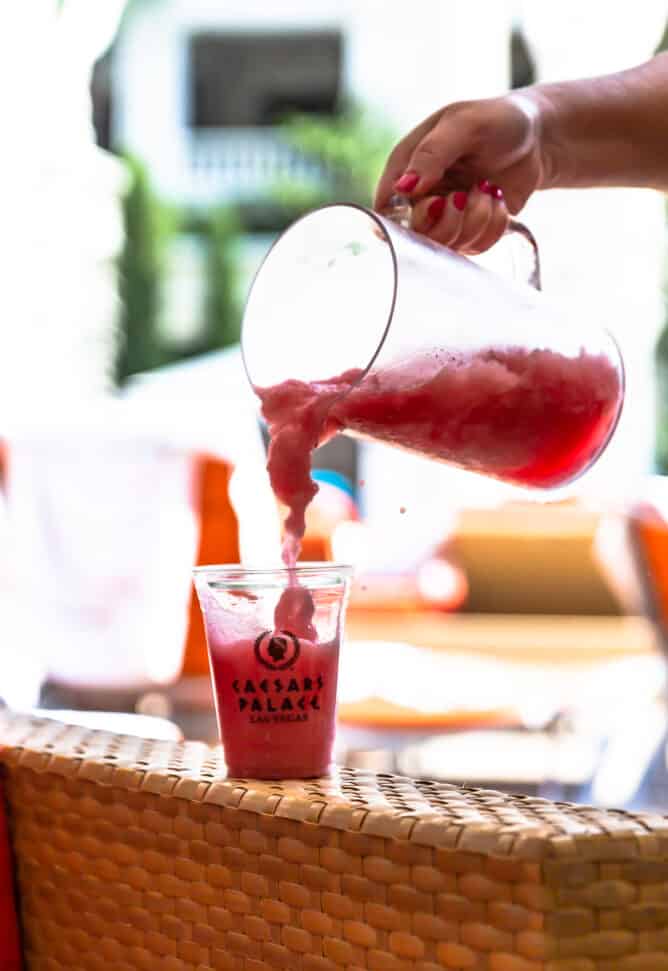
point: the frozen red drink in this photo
(273, 639)
(535, 418)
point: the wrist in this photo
(540, 103)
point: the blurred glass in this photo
(104, 533)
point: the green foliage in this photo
(661, 446)
(147, 228)
(223, 311)
(352, 148)
(661, 365)
(221, 230)
(661, 360)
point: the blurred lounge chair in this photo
(648, 542)
(636, 755)
(532, 558)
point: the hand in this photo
(489, 152)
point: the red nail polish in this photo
(484, 186)
(407, 182)
(496, 192)
(435, 208)
(459, 200)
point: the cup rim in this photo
(237, 570)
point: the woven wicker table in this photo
(136, 855)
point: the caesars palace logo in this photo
(277, 651)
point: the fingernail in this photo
(459, 200)
(496, 192)
(435, 208)
(407, 182)
(485, 186)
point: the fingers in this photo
(419, 161)
(398, 160)
(469, 222)
(478, 212)
(439, 217)
(493, 231)
(448, 140)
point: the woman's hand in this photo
(472, 162)
(466, 167)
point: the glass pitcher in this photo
(431, 352)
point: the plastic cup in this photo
(274, 685)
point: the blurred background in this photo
(154, 149)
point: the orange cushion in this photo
(219, 543)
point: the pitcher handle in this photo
(515, 226)
(399, 210)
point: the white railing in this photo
(244, 164)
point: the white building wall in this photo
(404, 68)
(61, 219)
(437, 52)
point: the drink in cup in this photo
(273, 638)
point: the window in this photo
(522, 66)
(102, 107)
(245, 80)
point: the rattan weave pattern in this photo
(134, 854)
